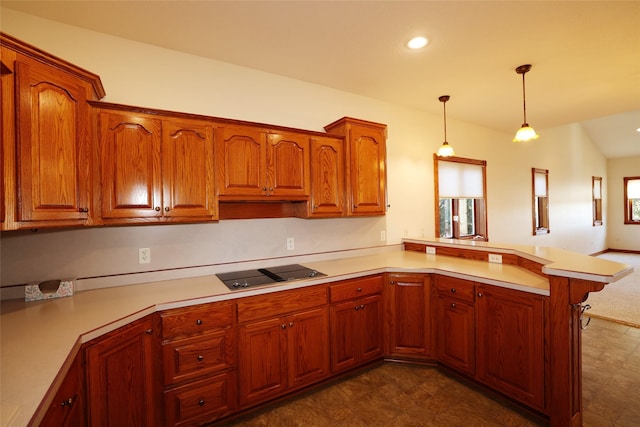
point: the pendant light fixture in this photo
(526, 132)
(445, 149)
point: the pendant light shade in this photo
(445, 149)
(526, 132)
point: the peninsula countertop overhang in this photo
(58, 327)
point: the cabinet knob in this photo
(68, 402)
(392, 282)
(283, 326)
(357, 307)
(479, 294)
(291, 324)
(453, 305)
(315, 206)
(361, 306)
(200, 358)
(264, 188)
(149, 331)
(201, 402)
(166, 208)
(83, 210)
(157, 208)
(198, 322)
(453, 290)
(359, 289)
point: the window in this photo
(596, 190)
(460, 192)
(540, 184)
(632, 200)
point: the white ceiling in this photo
(585, 55)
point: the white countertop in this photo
(38, 337)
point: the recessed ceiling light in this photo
(417, 42)
(638, 129)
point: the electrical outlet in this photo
(431, 250)
(383, 235)
(290, 244)
(144, 256)
(495, 258)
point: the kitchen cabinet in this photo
(45, 142)
(494, 335)
(123, 376)
(327, 178)
(356, 322)
(409, 315)
(154, 168)
(256, 163)
(199, 351)
(511, 343)
(365, 164)
(67, 406)
(456, 323)
(284, 342)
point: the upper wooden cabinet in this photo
(327, 178)
(154, 167)
(47, 169)
(366, 164)
(255, 163)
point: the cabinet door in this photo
(409, 327)
(287, 165)
(262, 360)
(344, 342)
(308, 346)
(130, 159)
(370, 333)
(122, 378)
(367, 171)
(53, 176)
(241, 160)
(66, 408)
(187, 169)
(511, 344)
(327, 177)
(456, 335)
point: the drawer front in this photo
(452, 287)
(201, 355)
(280, 303)
(202, 401)
(355, 288)
(198, 319)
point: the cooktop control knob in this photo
(313, 273)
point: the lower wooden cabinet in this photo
(66, 408)
(282, 353)
(408, 319)
(123, 375)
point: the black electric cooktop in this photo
(237, 280)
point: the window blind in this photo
(460, 180)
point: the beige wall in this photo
(621, 235)
(139, 74)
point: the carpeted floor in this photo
(619, 301)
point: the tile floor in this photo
(405, 395)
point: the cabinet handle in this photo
(453, 305)
(453, 290)
(157, 208)
(480, 294)
(283, 326)
(200, 358)
(201, 402)
(149, 331)
(68, 402)
(166, 209)
(198, 322)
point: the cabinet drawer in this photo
(196, 356)
(202, 401)
(452, 287)
(280, 303)
(182, 322)
(355, 288)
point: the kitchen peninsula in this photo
(42, 341)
